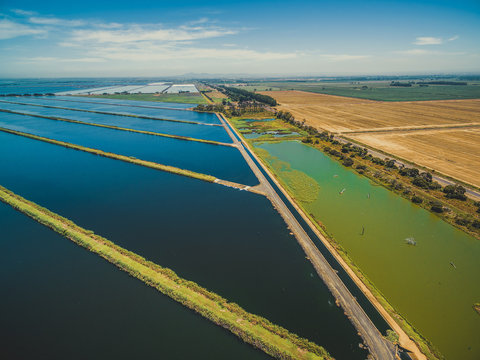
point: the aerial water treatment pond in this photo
(232, 242)
(419, 281)
(206, 132)
(224, 162)
(123, 102)
(185, 115)
(57, 295)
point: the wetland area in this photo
(231, 242)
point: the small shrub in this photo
(348, 162)
(460, 220)
(417, 199)
(455, 192)
(436, 206)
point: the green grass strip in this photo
(129, 159)
(111, 113)
(255, 330)
(178, 137)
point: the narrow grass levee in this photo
(178, 137)
(255, 330)
(150, 164)
(112, 113)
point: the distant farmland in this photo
(375, 90)
(442, 135)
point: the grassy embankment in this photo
(150, 164)
(112, 113)
(259, 332)
(178, 137)
(374, 90)
(186, 98)
(300, 190)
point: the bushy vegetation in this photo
(234, 110)
(241, 95)
(455, 192)
(256, 330)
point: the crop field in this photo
(374, 90)
(452, 152)
(441, 135)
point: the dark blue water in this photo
(60, 301)
(230, 241)
(223, 162)
(216, 133)
(184, 115)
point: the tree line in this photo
(241, 95)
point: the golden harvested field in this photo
(442, 135)
(452, 152)
(338, 114)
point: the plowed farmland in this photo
(442, 135)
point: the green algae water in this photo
(433, 284)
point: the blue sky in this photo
(159, 38)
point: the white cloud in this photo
(57, 59)
(136, 33)
(23, 12)
(427, 40)
(112, 25)
(453, 38)
(147, 52)
(55, 21)
(10, 29)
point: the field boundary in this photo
(113, 127)
(406, 129)
(253, 329)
